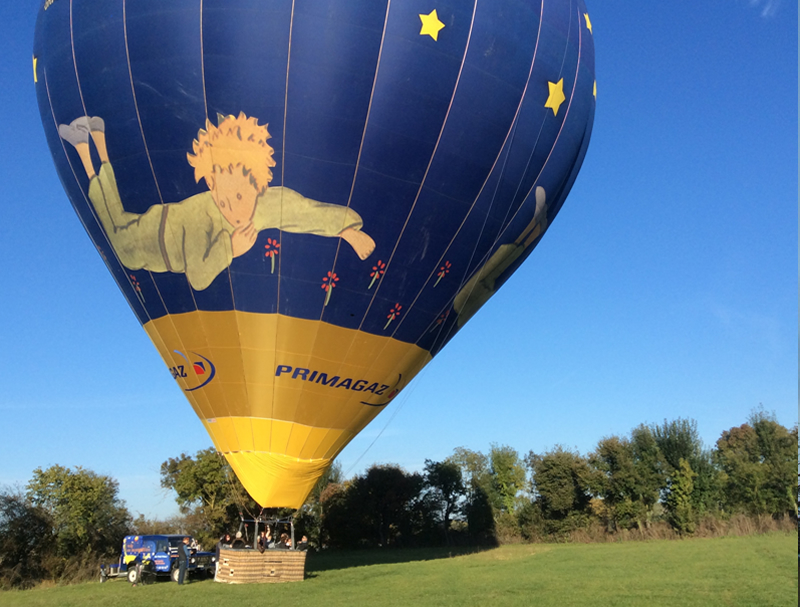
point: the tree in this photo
(481, 518)
(680, 511)
(26, 541)
(620, 486)
(679, 439)
(142, 525)
(478, 481)
(649, 465)
(379, 508)
(759, 459)
(508, 477)
(508, 480)
(341, 514)
(208, 493)
(633, 475)
(386, 493)
(563, 485)
(474, 468)
(445, 484)
(740, 458)
(86, 514)
(308, 519)
(778, 447)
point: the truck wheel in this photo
(133, 574)
(174, 574)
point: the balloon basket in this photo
(248, 566)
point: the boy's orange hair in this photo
(236, 141)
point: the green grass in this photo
(737, 571)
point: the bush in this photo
(27, 543)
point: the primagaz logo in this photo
(198, 372)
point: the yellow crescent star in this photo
(588, 23)
(430, 25)
(556, 97)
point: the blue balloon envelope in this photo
(304, 201)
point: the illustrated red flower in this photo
(442, 317)
(272, 247)
(328, 283)
(377, 271)
(137, 287)
(445, 269)
(393, 313)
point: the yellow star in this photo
(588, 23)
(431, 25)
(556, 97)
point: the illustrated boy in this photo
(482, 285)
(201, 235)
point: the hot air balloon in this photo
(303, 201)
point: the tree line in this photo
(659, 476)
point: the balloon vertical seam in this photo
(507, 221)
(421, 186)
(363, 133)
(512, 129)
(203, 62)
(283, 183)
(228, 269)
(427, 169)
(195, 396)
(360, 150)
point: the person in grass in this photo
(184, 554)
(201, 235)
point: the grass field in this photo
(735, 571)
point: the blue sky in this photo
(666, 288)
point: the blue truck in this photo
(145, 557)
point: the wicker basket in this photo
(248, 566)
